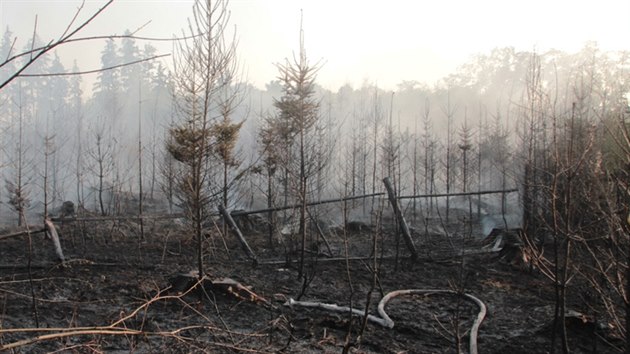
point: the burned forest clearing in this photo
(119, 292)
(168, 205)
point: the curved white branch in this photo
(384, 320)
(336, 308)
(51, 232)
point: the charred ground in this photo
(110, 273)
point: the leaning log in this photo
(295, 206)
(228, 219)
(400, 218)
(320, 232)
(51, 233)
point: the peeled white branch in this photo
(51, 233)
(384, 320)
(336, 308)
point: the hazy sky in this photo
(383, 42)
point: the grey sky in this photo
(382, 42)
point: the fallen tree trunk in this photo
(49, 230)
(461, 194)
(320, 232)
(295, 206)
(400, 218)
(51, 233)
(23, 232)
(228, 219)
(337, 308)
(119, 217)
(384, 320)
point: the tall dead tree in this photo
(299, 107)
(17, 187)
(271, 158)
(225, 134)
(102, 154)
(202, 63)
(429, 145)
(449, 111)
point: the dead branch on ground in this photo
(120, 328)
(384, 320)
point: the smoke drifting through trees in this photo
(199, 141)
(558, 131)
(490, 83)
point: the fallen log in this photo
(461, 194)
(49, 230)
(320, 232)
(295, 206)
(23, 232)
(337, 308)
(400, 218)
(384, 320)
(238, 290)
(456, 257)
(51, 233)
(185, 282)
(228, 219)
(118, 217)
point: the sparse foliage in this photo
(204, 66)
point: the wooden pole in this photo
(294, 206)
(400, 218)
(119, 217)
(234, 213)
(23, 232)
(320, 232)
(457, 194)
(228, 219)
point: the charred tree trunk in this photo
(400, 218)
(230, 222)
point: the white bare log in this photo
(384, 320)
(336, 308)
(51, 233)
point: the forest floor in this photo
(113, 294)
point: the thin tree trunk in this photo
(269, 206)
(400, 218)
(303, 205)
(140, 192)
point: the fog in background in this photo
(383, 43)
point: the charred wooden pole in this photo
(438, 195)
(295, 206)
(239, 235)
(24, 232)
(320, 232)
(400, 218)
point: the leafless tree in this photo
(17, 187)
(449, 111)
(102, 155)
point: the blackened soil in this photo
(113, 293)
